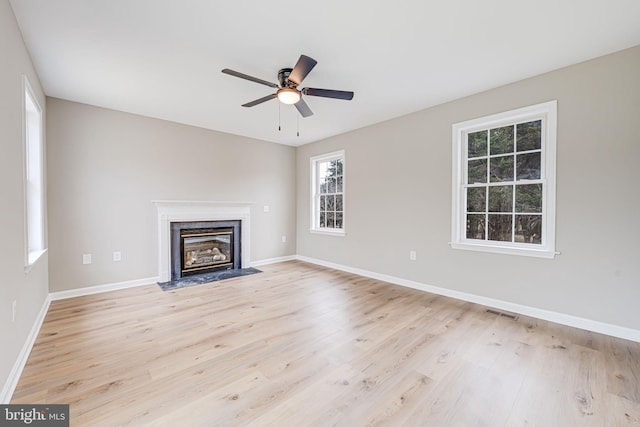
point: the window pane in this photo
(332, 168)
(330, 219)
(322, 170)
(477, 171)
(331, 185)
(339, 185)
(528, 229)
(331, 206)
(323, 219)
(477, 144)
(529, 136)
(323, 186)
(528, 166)
(323, 205)
(501, 168)
(476, 199)
(501, 198)
(475, 227)
(338, 168)
(529, 198)
(339, 203)
(500, 228)
(501, 140)
(339, 220)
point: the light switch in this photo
(86, 259)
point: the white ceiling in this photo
(162, 58)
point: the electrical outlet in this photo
(284, 239)
(266, 208)
(86, 259)
(412, 255)
(14, 310)
(117, 256)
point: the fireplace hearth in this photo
(202, 247)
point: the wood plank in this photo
(303, 345)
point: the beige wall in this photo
(399, 197)
(28, 289)
(105, 167)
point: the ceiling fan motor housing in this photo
(283, 78)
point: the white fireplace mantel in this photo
(187, 210)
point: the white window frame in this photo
(546, 111)
(315, 194)
(35, 243)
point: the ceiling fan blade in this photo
(259, 101)
(248, 77)
(328, 93)
(303, 108)
(303, 67)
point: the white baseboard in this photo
(71, 293)
(273, 260)
(21, 361)
(561, 318)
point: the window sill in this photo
(508, 250)
(338, 233)
(32, 259)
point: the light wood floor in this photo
(301, 345)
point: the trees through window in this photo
(328, 193)
(504, 170)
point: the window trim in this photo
(31, 257)
(315, 196)
(547, 111)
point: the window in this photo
(33, 177)
(327, 193)
(504, 182)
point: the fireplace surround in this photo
(169, 211)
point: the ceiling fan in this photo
(288, 92)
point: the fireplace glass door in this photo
(206, 250)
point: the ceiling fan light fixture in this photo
(288, 95)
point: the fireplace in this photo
(201, 247)
(174, 211)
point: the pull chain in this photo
(280, 121)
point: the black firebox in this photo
(204, 246)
